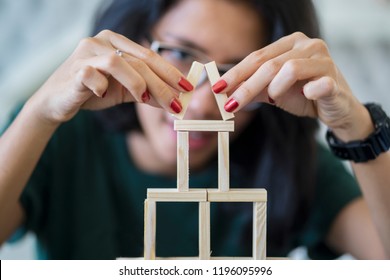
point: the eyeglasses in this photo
(182, 58)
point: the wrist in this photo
(358, 127)
(366, 148)
(35, 110)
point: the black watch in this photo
(369, 148)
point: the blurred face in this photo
(224, 31)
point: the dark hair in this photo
(286, 160)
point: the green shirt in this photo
(85, 201)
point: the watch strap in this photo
(369, 148)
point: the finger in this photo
(97, 48)
(296, 70)
(302, 48)
(134, 75)
(325, 87)
(117, 67)
(114, 95)
(243, 70)
(89, 77)
(161, 92)
(162, 68)
(255, 86)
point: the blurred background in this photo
(37, 35)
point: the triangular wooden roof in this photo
(193, 77)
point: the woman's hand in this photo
(107, 70)
(297, 74)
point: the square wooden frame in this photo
(183, 127)
(204, 197)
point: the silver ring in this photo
(119, 53)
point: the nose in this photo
(203, 105)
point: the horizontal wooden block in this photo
(237, 195)
(173, 195)
(197, 258)
(245, 258)
(203, 125)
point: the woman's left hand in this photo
(298, 75)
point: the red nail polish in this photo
(104, 94)
(219, 86)
(271, 100)
(231, 105)
(176, 106)
(145, 96)
(185, 84)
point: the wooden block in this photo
(204, 230)
(231, 258)
(182, 161)
(197, 258)
(203, 125)
(237, 195)
(259, 230)
(149, 230)
(221, 98)
(173, 195)
(223, 161)
(185, 97)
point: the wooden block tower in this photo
(183, 193)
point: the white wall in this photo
(37, 35)
(358, 35)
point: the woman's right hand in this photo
(107, 70)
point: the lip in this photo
(199, 140)
(196, 139)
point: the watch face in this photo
(378, 116)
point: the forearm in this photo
(373, 175)
(21, 146)
(373, 178)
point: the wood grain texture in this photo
(259, 242)
(185, 97)
(203, 125)
(237, 195)
(150, 230)
(173, 195)
(204, 230)
(223, 162)
(197, 258)
(221, 98)
(182, 161)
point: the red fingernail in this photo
(271, 100)
(231, 105)
(145, 96)
(185, 84)
(104, 94)
(219, 86)
(176, 106)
